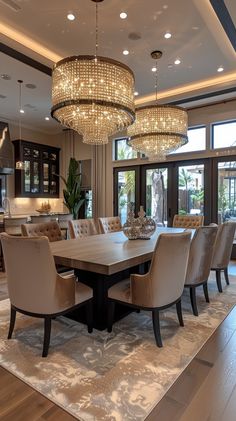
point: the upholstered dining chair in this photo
(51, 230)
(110, 224)
(79, 228)
(12, 226)
(63, 221)
(161, 287)
(222, 251)
(36, 289)
(199, 262)
(188, 221)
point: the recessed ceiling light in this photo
(136, 93)
(170, 66)
(70, 16)
(30, 85)
(154, 69)
(220, 69)
(123, 15)
(167, 35)
(47, 118)
(21, 111)
(125, 52)
(4, 76)
(177, 61)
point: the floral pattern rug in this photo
(111, 376)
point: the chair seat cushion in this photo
(121, 291)
(82, 292)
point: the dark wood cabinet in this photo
(41, 164)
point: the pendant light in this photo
(20, 164)
(158, 129)
(93, 95)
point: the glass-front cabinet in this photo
(38, 178)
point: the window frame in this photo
(116, 142)
(200, 126)
(220, 123)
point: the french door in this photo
(166, 189)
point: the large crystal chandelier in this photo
(93, 95)
(158, 129)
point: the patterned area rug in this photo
(117, 376)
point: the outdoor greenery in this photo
(72, 190)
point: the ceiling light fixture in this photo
(177, 61)
(154, 69)
(20, 164)
(47, 118)
(93, 95)
(123, 15)
(220, 69)
(158, 129)
(125, 52)
(71, 16)
(136, 93)
(167, 35)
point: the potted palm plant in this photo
(72, 191)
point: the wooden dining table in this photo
(102, 260)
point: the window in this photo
(224, 134)
(196, 140)
(123, 150)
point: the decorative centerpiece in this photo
(45, 207)
(138, 228)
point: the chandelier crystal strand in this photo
(158, 129)
(93, 95)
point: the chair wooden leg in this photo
(179, 313)
(12, 322)
(47, 334)
(193, 300)
(89, 315)
(111, 311)
(205, 290)
(156, 327)
(218, 280)
(226, 275)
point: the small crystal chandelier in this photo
(158, 129)
(93, 95)
(20, 164)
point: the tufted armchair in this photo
(51, 230)
(110, 224)
(188, 221)
(36, 289)
(79, 228)
(161, 287)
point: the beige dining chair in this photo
(79, 228)
(36, 289)
(12, 226)
(188, 221)
(199, 262)
(161, 287)
(222, 251)
(110, 224)
(63, 221)
(51, 230)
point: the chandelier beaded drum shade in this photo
(158, 129)
(93, 95)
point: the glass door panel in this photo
(35, 188)
(27, 176)
(226, 191)
(191, 189)
(126, 192)
(156, 194)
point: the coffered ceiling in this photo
(200, 40)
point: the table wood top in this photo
(106, 253)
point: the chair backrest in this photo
(110, 224)
(12, 225)
(51, 230)
(31, 273)
(79, 228)
(200, 255)
(188, 221)
(164, 283)
(223, 245)
(39, 219)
